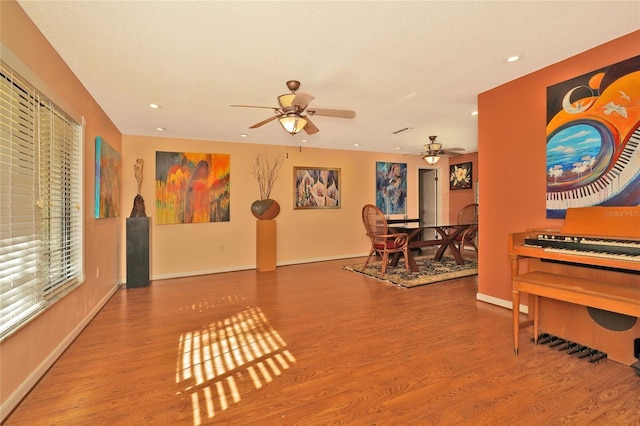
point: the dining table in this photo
(444, 236)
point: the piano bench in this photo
(622, 299)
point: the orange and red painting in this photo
(192, 187)
(108, 171)
(593, 139)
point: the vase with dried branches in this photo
(266, 174)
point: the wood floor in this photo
(315, 345)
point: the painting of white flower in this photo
(460, 176)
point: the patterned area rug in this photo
(429, 271)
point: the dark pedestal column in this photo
(137, 252)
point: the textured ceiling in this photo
(418, 64)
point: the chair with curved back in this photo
(382, 241)
(468, 214)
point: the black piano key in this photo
(544, 338)
(597, 357)
(587, 353)
(566, 346)
(557, 342)
(577, 349)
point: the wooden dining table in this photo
(445, 238)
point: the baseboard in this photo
(247, 267)
(16, 397)
(500, 302)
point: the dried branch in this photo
(266, 173)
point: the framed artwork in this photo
(316, 188)
(391, 187)
(592, 139)
(192, 187)
(460, 176)
(108, 175)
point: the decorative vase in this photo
(265, 209)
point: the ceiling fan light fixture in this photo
(292, 123)
(286, 100)
(435, 146)
(431, 159)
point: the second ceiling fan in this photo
(433, 151)
(294, 113)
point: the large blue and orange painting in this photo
(593, 139)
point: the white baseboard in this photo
(247, 267)
(14, 399)
(500, 302)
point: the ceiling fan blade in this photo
(302, 100)
(254, 106)
(264, 121)
(310, 128)
(326, 112)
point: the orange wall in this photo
(511, 146)
(31, 350)
(512, 197)
(462, 197)
(302, 235)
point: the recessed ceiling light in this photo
(243, 135)
(474, 112)
(154, 106)
(398, 148)
(160, 129)
(304, 140)
(513, 58)
(356, 144)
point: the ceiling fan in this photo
(294, 114)
(433, 151)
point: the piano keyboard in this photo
(607, 185)
(584, 246)
(606, 255)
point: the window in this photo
(40, 202)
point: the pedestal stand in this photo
(266, 245)
(137, 252)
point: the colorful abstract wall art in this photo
(316, 188)
(593, 139)
(391, 187)
(192, 187)
(108, 175)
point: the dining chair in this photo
(382, 242)
(468, 215)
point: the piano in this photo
(582, 281)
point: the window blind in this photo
(40, 202)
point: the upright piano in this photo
(582, 281)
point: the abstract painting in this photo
(461, 176)
(593, 139)
(108, 175)
(391, 187)
(317, 187)
(192, 187)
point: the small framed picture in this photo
(316, 188)
(460, 176)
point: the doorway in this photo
(429, 198)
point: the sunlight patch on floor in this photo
(213, 359)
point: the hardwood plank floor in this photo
(314, 344)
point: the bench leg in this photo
(516, 319)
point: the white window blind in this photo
(40, 202)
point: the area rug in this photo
(429, 271)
